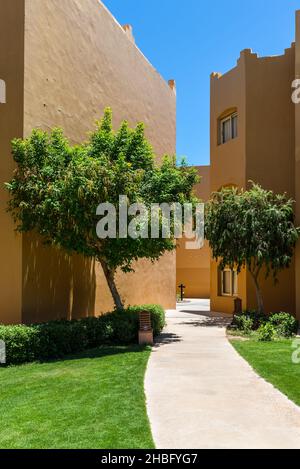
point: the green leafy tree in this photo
(253, 229)
(57, 188)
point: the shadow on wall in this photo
(56, 285)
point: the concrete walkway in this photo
(202, 394)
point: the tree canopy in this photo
(253, 229)
(57, 188)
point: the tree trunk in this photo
(259, 297)
(110, 278)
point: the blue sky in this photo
(187, 40)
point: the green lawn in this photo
(273, 361)
(94, 401)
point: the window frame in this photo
(234, 116)
(233, 277)
(222, 121)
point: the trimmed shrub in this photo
(285, 324)
(244, 324)
(124, 326)
(158, 316)
(266, 332)
(56, 339)
(98, 330)
(21, 343)
(59, 338)
(248, 321)
(268, 327)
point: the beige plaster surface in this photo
(63, 61)
(259, 89)
(193, 266)
(11, 126)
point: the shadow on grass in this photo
(99, 352)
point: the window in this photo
(228, 128)
(229, 282)
(234, 125)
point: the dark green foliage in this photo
(57, 188)
(158, 318)
(243, 323)
(278, 325)
(21, 343)
(266, 332)
(285, 324)
(248, 321)
(60, 338)
(252, 229)
(56, 339)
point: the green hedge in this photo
(248, 321)
(56, 339)
(265, 328)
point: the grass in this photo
(94, 401)
(273, 361)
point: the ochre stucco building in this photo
(193, 266)
(255, 136)
(63, 62)
(252, 139)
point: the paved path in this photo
(202, 394)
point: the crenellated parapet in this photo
(129, 32)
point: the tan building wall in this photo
(270, 151)
(259, 89)
(228, 161)
(78, 60)
(11, 125)
(193, 266)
